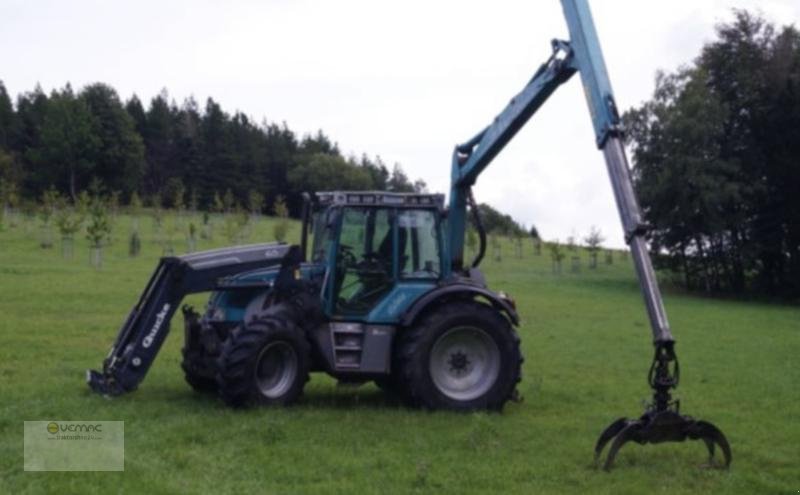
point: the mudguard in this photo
(499, 301)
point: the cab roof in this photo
(380, 199)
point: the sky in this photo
(404, 80)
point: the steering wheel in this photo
(346, 256)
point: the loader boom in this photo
(147, 324)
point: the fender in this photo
(497, 301)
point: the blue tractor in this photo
(378, 289)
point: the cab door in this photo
(364, 270)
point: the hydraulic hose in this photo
(476, 219)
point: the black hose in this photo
(476, 219)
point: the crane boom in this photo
(582, 54)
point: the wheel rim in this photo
(276, 369)
(464, 363)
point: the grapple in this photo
(662, 420)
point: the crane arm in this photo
(662, 420)
(581, 54)
(472, 158)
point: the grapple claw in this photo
(609, 433)
(662, 421)
(630, 431)
(710, 447)
(661, 426)
(711, 435)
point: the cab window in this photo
(322, 236)
(418, 244)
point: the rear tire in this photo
(264, 362)
(461, 356)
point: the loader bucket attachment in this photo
(144, 330)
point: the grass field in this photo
(587, 348)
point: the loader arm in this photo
(582, 54)
(144, 330)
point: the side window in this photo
(322, 237)
(418, 244)
(353, 234)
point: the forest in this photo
(176, 156)
(164, 151)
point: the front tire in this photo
(193, 366)
(462, 356)
(264, 362)
(199, 367)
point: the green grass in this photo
(587, 348)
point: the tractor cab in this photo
(379, 250)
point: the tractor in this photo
(378, 289)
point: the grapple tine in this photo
(628, 432)
(711, 434)
(609, 433)
(710, 446)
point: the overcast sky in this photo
(403, 80)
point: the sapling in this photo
(556, 255)
(98, 230)
(281, 227)
(47, 209)
(69, 219)
(593, 241)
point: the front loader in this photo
(383, 293)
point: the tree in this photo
(593, 241)
(119, 159)
(47, 208)
(715, 153)
(175, 193)
(98, 230)
(7, 118)
(69, 220)
(471, 239)
(557, 255)
(255, 202)
(10, 179)
(324, 172)
(218, 206)
(228, 201)
(135, 209)
(26, 140)
(281, 226)
(68, 144)
(398, 181)
(496, 222)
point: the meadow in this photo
(587, 346)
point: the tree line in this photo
(168, 153)
(717, 161)
(177, 155)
